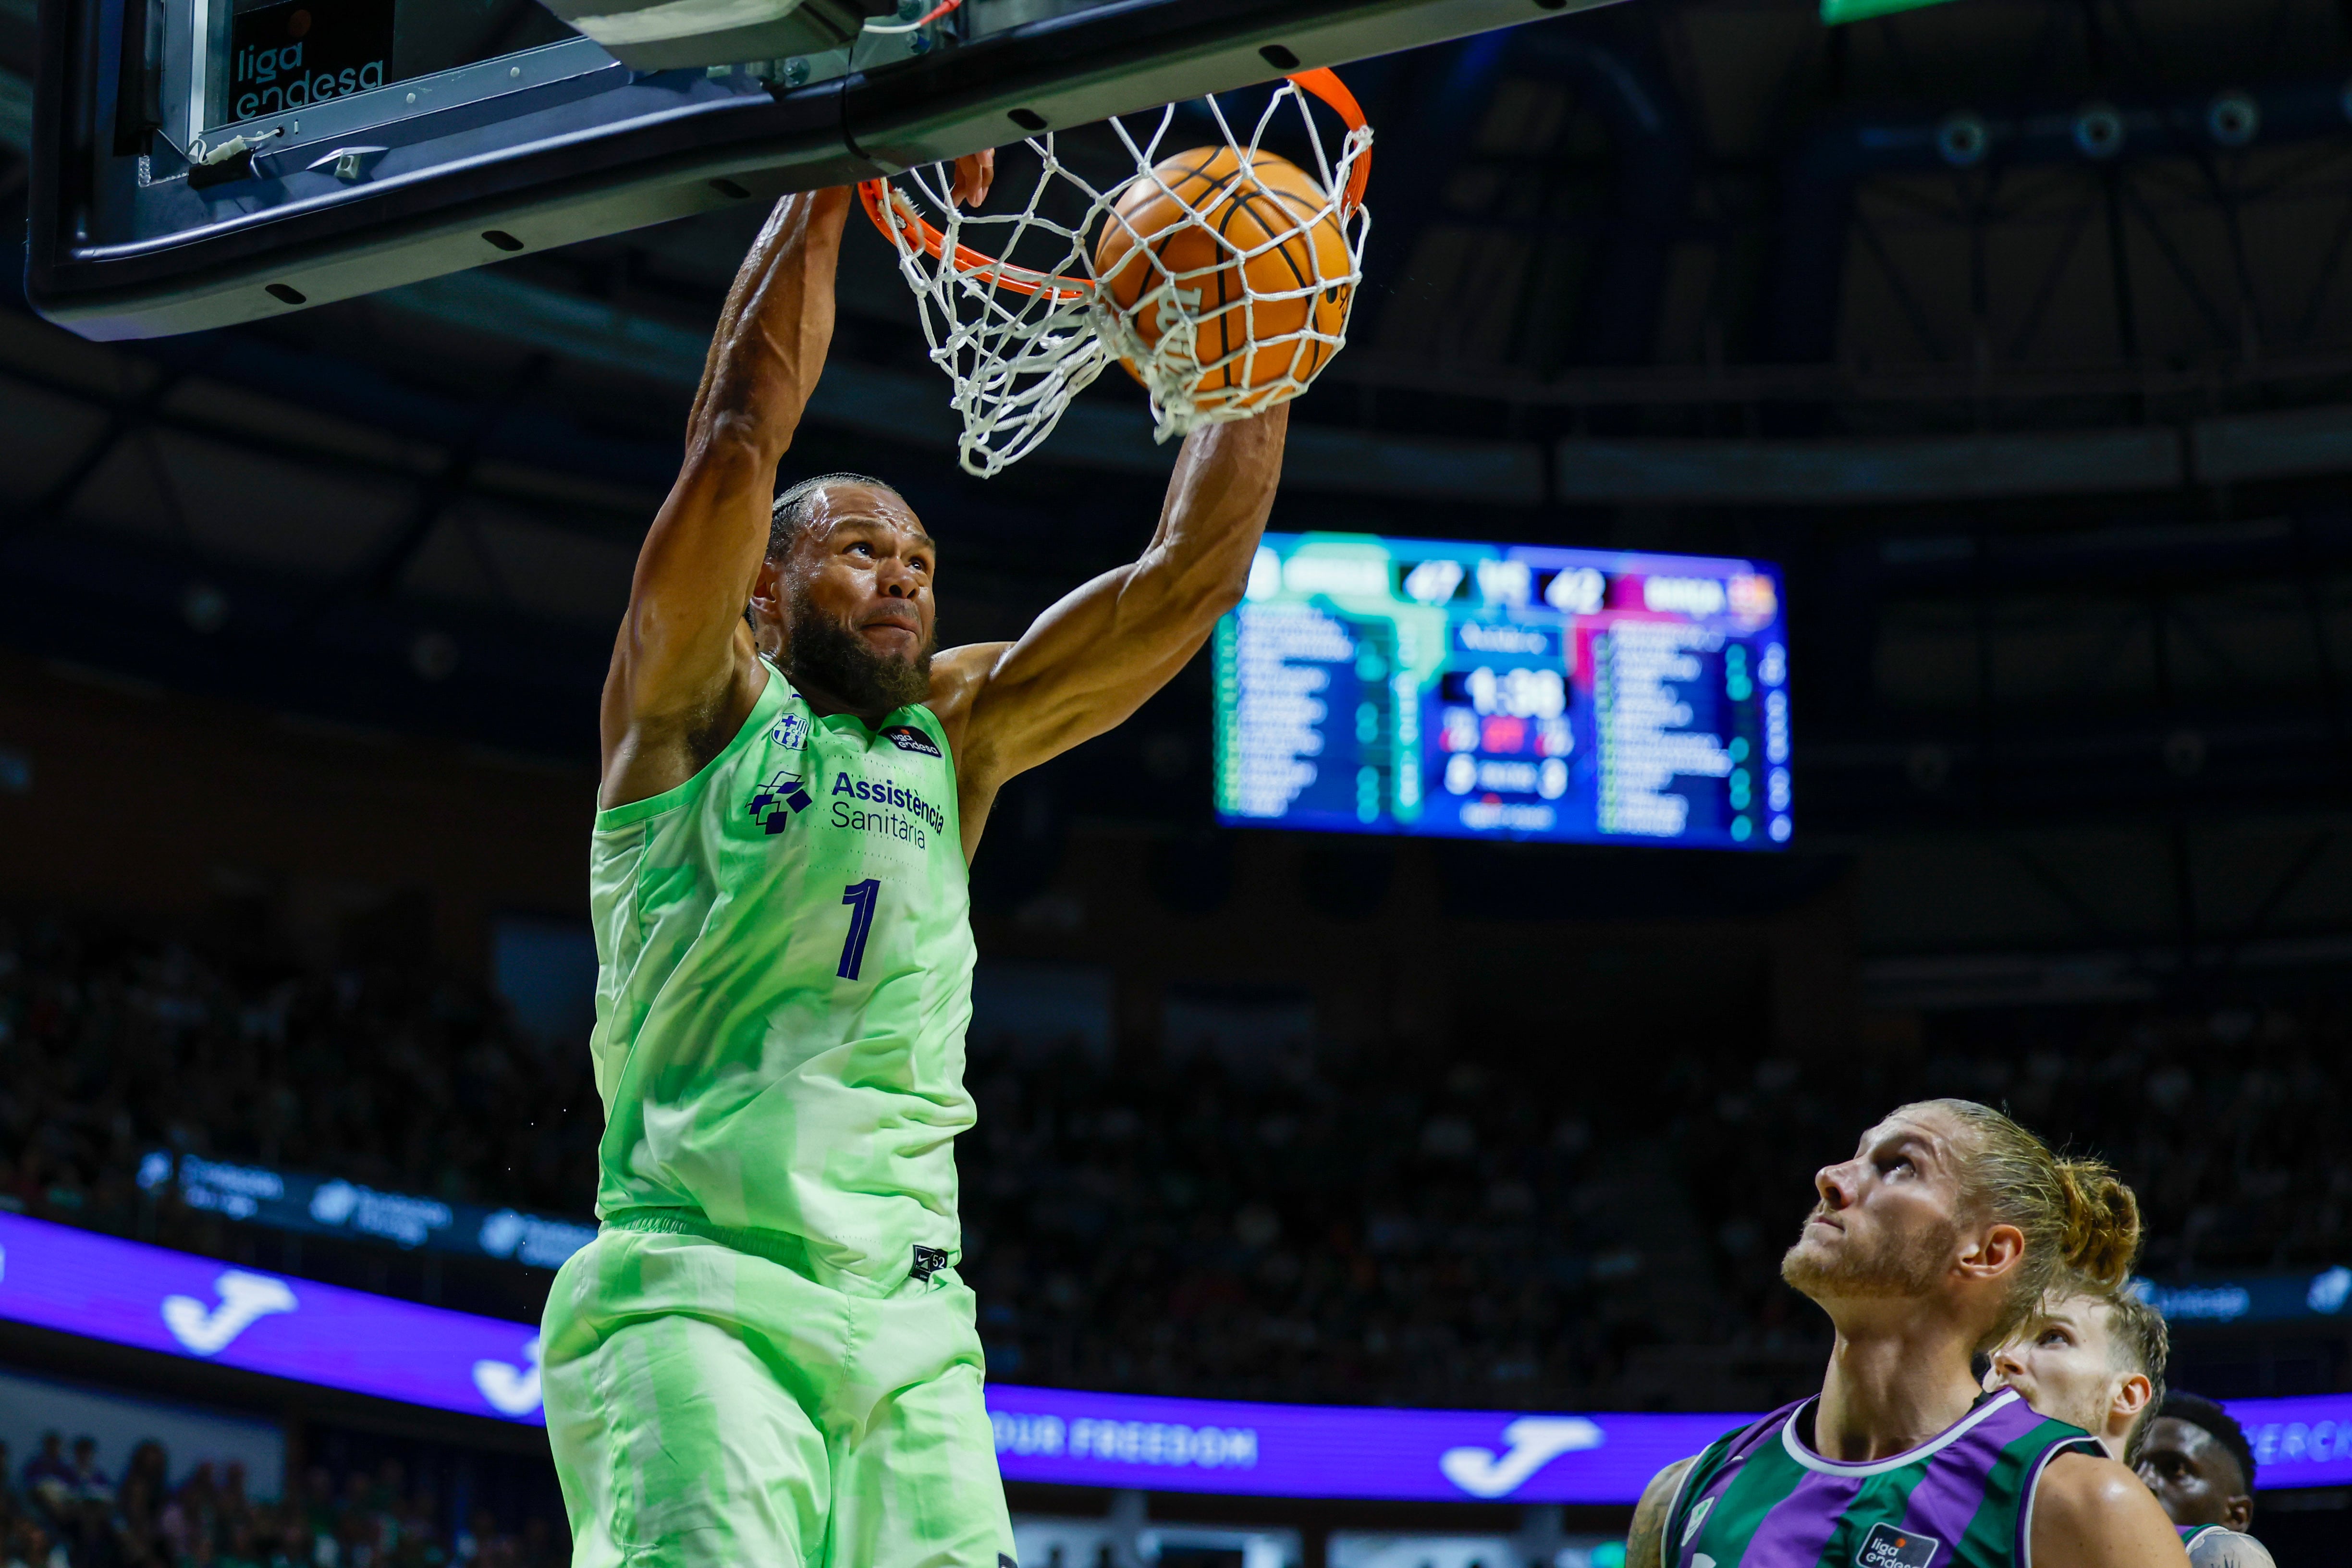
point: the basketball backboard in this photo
(202, 163)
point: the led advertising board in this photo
(328, 1205)
(1375, 685)
(55, 1276)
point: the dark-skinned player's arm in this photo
(684, 667)
(1646, 1540)
(1093, 659)
(685, 671)
(2091, 1512)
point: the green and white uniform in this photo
(2218, 1546)
(766, 1356)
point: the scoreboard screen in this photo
(1373, 685)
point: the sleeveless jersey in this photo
(1761, 1497)
(785, 957)
(2193, 1533)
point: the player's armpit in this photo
(1645, 1541)
(2229, 1549)
(2091, 1512)
(1095, 658)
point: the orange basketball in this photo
(1265, 259)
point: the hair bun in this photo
(2101, 1240)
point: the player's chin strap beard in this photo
(819, 651)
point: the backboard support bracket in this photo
(114, 257)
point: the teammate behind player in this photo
(2096, 1358)
(2197, 1460)
(765, 1358)
(1934, 1242)
(2093, 1358)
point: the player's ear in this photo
(1995, 1252)
(767, 595)
(2133, 1393)
(2238, 1512)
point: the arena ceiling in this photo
(2018, 329)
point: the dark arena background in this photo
(1369, 1199)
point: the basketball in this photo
(1255, 255)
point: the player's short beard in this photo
(2093, 1416)
(1897, 1268)
(820, 652)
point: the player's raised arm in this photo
(1093, 659)
(683, 664)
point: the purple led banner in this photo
(59, 1277)
(1335, 1451)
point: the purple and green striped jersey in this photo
(1761, 1497)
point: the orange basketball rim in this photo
(1321, 82)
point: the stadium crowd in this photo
(1304, 1224)
(382, 1074)
(63, 1510)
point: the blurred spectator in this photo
(50, 1477)
(479, 1531)
(30, 1546)
(89, 1480)
(138, 1536)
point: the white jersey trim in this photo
(1804, 1456)
(2084, 1445)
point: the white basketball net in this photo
(1020, 341)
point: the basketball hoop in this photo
(1221, 277)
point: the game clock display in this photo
(1373, 685)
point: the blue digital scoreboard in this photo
(1370, 684)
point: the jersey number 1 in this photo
(861, 898)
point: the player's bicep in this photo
(1086, 665)
(693, 578)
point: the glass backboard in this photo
(202, 163)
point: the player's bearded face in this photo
(1871, 1261)
(821, 650)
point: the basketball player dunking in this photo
(1940, 1236)
(766, 1357)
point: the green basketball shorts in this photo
(708, 1406)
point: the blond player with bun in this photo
(1937, 1240)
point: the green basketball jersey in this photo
(786, 978)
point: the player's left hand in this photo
(974, 173)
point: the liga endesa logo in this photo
(272, 80)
